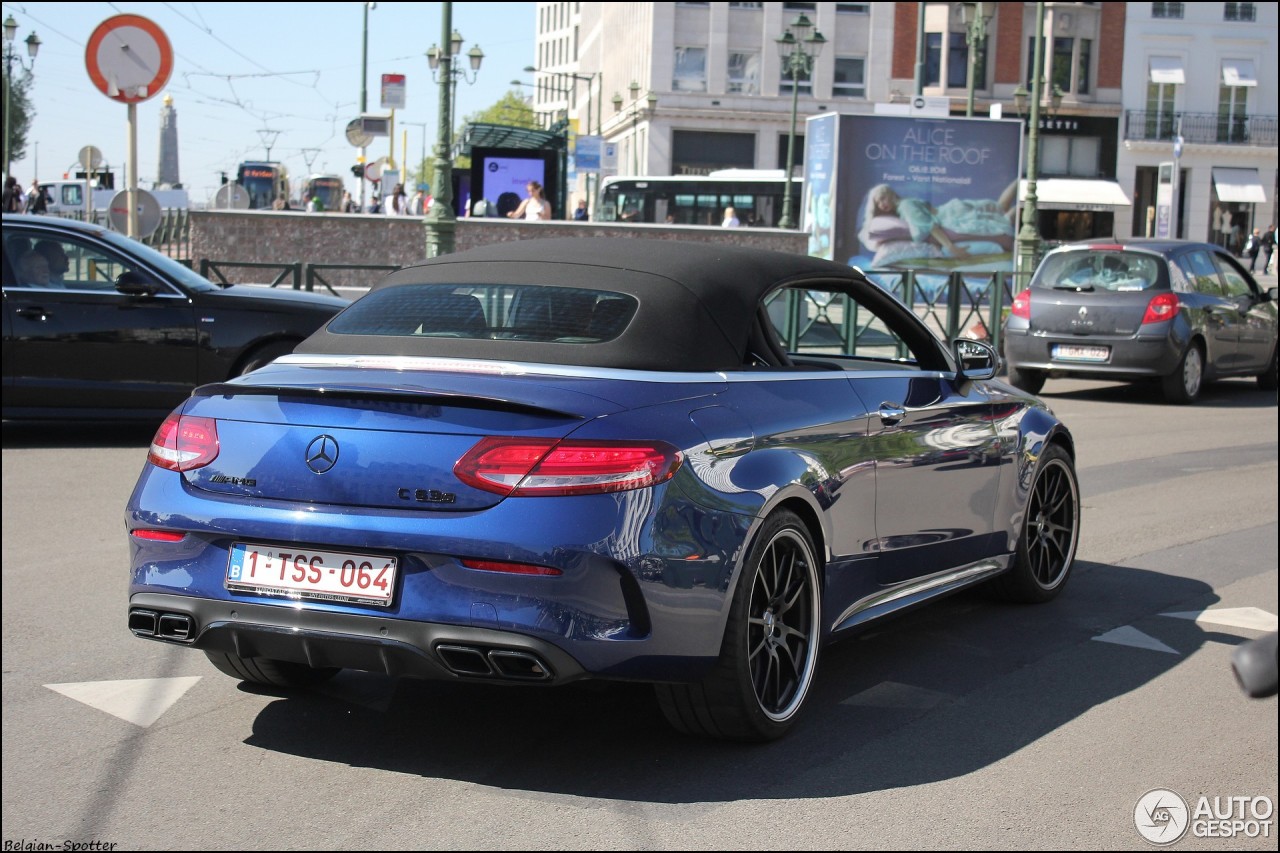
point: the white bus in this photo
(756, 196)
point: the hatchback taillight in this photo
(1022, 305)
(184, 443)
(527, 467)
(1162, 307)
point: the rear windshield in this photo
(489, 311)
(1099, 270)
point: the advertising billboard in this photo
(909, 192)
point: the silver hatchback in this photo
(1176, 312)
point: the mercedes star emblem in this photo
(322, 453)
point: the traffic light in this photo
(358, 170)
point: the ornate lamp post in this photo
(799, 51)
(441, 223)
(976, 17)
(1029, 236)
(11, 56)
(652, 101)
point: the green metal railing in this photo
(953, 304)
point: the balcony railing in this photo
(1201, 128)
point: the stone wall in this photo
(276, 237)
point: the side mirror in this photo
(977, 360)
(134, 283)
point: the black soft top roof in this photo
(697, 301)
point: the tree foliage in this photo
(21, 112)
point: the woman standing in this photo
(534, 207)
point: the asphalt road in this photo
(967, 724)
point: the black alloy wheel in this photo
(770, 650)
(1050, 533)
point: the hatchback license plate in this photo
(1070, 352)
(303, 573)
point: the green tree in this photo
(19, 119)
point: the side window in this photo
(829, 326)
(1237, 284)
(73, 196)
(62, 263)
(1203, 274)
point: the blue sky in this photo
(242, 67)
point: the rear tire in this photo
(1030, 381)
(264, 355)
(1182, 387)
(770, 650)
(268, 672)
(1050, 533)
(1267, 380)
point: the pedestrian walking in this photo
(1269, 248)
(13, 197)
(1253, 247)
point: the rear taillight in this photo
(158, 535)
(184, 443)
(522, 467)
(1162, 307)
(508, 568)
(1022, 305)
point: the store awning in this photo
(1076, 194)
(1167, 69)
(1239, 185)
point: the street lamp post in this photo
(364, 88)
(1029, 235)
(572, 103)
(11, 56)
(440, 222)
(976, 17)
(799, 51)
(652, 100)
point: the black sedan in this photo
(97, 325)
(1177, 312)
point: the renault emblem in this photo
(322, 453)
(1084, 312)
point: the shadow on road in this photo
(1226, 394)
(936, 694)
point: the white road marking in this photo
(140, 701)
(1251, 618)
(1127, 635)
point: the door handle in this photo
(33, 313)
(891, 413)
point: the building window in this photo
(744, 74)
(690, 70)
(1070, 155)
(932, 59)
(1166, 10)
(854, 8)
(804, 82)
(1061, 68)
(1239, 12)
(800, 7)
(783, 141)
(958, 63)
(850, 79)
(1160, 110)
(1233, 115)
(1082, 73)
(746, 5)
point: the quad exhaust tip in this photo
(165, 626)
(505, 664)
